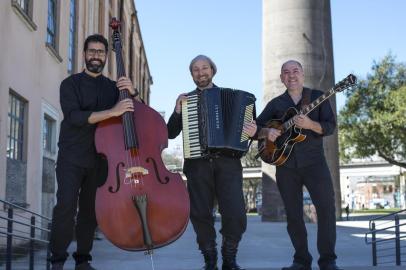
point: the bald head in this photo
(292, 76)
(290, 62)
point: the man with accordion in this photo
(208, 116)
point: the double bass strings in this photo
(132, 159)
(130, 133)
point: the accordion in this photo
(213, 120)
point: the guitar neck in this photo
(307, 109)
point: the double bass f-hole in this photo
(118, 181)
(157, 172)
(132, 175)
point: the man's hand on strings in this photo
(303, 121)
(273, 134)
(125, 83)
(125, 105)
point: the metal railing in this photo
(23, 237)
(387, 237)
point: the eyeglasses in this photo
(93, 52)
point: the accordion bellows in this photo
(213, 120)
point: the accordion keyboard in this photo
(190, 128)
(249, 112)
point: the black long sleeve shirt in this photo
(309, 151)
(80, 96)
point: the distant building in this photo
(372, 184)
(41, 45)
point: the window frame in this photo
(16, 136)
(25, 13)
(72, 41)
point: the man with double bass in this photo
(86, 98)
(210, 177)
(305, 166)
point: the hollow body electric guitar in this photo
(277, 152)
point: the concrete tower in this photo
(299, 30)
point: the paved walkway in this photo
(265, 245)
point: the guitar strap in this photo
(306, 96)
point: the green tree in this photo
(373, 121)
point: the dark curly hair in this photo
(96, 38)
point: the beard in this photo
(203, 83)
(95, 65)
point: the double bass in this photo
(141, 205)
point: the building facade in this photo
(42, 44)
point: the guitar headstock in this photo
(348, 82)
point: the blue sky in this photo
(229, 31)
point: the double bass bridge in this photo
(132, 174)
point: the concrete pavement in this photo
(265, 245)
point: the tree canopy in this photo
(373, 121)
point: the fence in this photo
(23, 238)
(386, 236)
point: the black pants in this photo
(76, 186)
(317, 180)
(221, 178)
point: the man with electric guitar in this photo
(294, 143)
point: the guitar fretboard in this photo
(306, 110)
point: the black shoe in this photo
(210, 256)
(57, 266)
(84, 266)
(231, 266)
(297, 266)
(210, 267)
(229, 251)
(331, 266)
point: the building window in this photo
(51, 26)
(24, 5)
(24, 9)
(72, 36)
(48, 139)
(15, 130)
